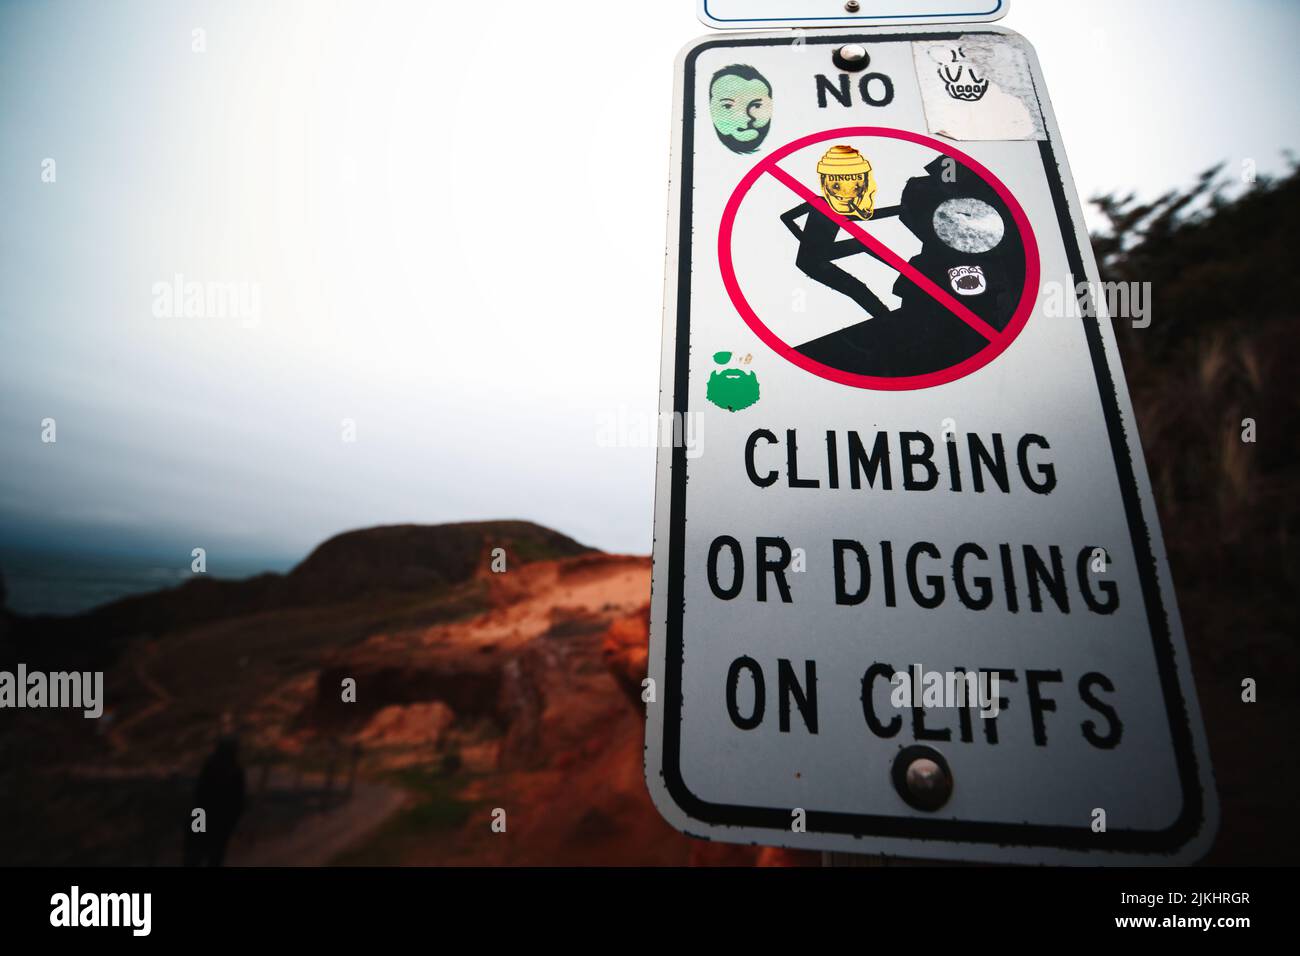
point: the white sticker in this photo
(968, 224)
(974, 89)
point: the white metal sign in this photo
(775, 14)
(910, 595)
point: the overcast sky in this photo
(454, 223)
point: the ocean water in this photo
(64, 583)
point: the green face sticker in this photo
(731, 388)
(740, 104)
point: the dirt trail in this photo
(117, 735)
(319, 837)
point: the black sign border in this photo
(1192, 816)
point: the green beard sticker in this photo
(731, 388)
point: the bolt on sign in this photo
(910, 595)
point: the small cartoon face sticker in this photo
(967, 280)
(847, 183)
(731, 388)
(740, 104)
